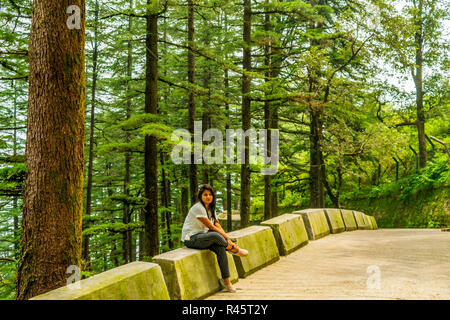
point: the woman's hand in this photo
(213, 227)
(219, 226)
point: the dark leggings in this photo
(216, 243)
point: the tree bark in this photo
(228, 179)
(85, 252)
(418, 81)
(127, 237)
(267, 121)
(193, 169)
(16, 218)
(165, 197)
(151, 236)
(184, 195)
(206, 117)
(316, 186)
(246, 116)
(53, 198)
(228, 204)
(276, 62)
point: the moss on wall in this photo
(426, 208)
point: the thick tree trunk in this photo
(85, 253)
(246, 116)
(151, 237)
(53, 197)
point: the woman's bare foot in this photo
(227, 284)
(238, 251)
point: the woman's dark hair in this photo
(212, 205)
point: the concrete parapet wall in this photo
(289, 232)
(133, 281)
(349, 220)
(361, 222)
(192, 274)
(315, 222)
(261, 245)
(335, 221)
(368, 221)
(235, 221)
(374, 222)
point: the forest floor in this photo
(379, 264)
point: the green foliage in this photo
(436, 174)
(418, 201)
(14, 173)
(7, 280)
(113, 228)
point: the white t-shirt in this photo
(192, 225)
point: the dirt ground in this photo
(362, 264)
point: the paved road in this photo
(378, 264)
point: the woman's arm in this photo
(218, 225)
(214, 227)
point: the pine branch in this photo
(19, 52)
(15, 78)
(442, 143)
(406, 123)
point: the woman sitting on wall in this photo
(202, 230)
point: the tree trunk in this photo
(127, 236)
(268, 122)
(418, 81)
(316, 186)
(206, 117)
(141, 235)
(184, 195)
(227, 126)
(85, 253)
(315, 173)
(246, 116)
(16, 218)
(165, 197)
(151, 236)
(275, 70)
(228, 204)
(193, 174)
(53, 197)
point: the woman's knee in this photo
(219, 238)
